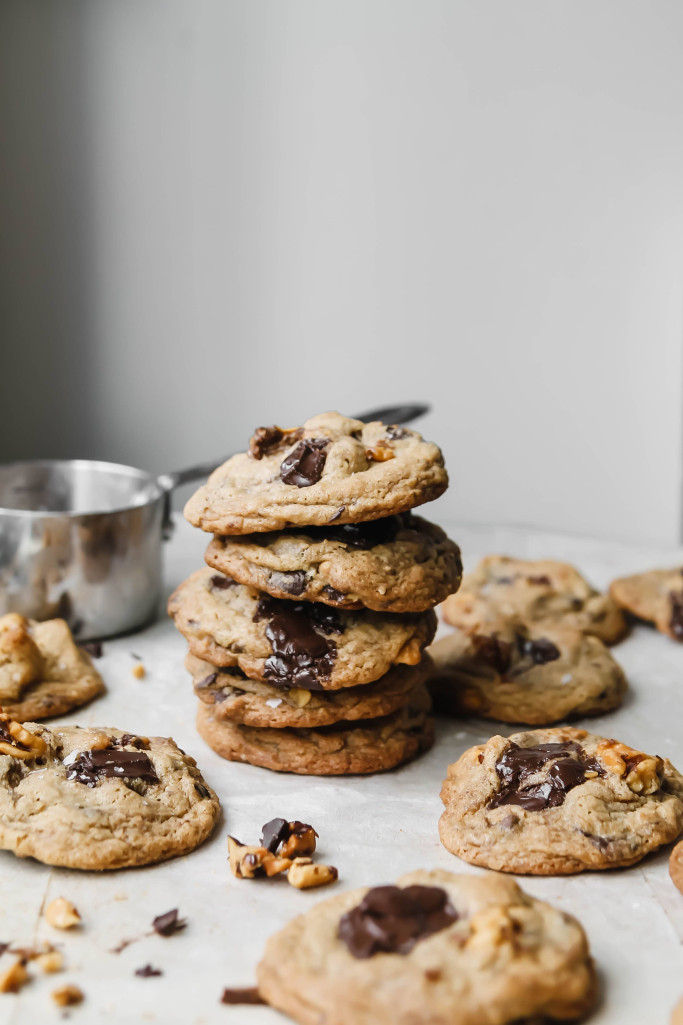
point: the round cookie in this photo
(96, 798)
(235, 698)
(676, 866)
(397, 564)
(43, 672)
(368, 745)
(677, 1015)
(537, 676)
(439, 947)
(331, 470)
(502, 588)
(558, 801)
(293, 644)
(656, 596)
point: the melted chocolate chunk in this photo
(301, 655)
(676, 620)
(265, 441)
(93, 648)
(222, 583)
(392, 920)
(274, 832)
(305, 463)
(493, 652)
(539, 651)
(247, 995)
(516, 764)
(146, 972)
(291, 582)
(364, 535)
(168, 923)
(91, 766)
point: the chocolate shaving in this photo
(168, 923)
(247, 995)
(147, 971)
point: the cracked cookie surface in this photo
(537, 675)
(98, 798)
(497, 955)
(293, 644)
(346, 748)
(655, 596)
(333, 469)
(396, 564)
(236, 698)
(541, 591)
(558, 801)
(43, 672)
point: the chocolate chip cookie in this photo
(557, 801)
(437, 947)
(236, 698)
(331, 470)
(536, 675)
(676, 866)
(656, 596)
(396, 564)
(42, 671)
(293, 644)
(502, 588)
(361, 746)
(95, 798)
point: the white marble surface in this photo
(372, 829)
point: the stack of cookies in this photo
(306, 632)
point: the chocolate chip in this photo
(146, 972)
(340, 511)
(274, 832)
(265, 441)
(540, 650)
(493, 652)
(541, 580)
(291, 582)
(305, 463)
(202, 790)
(248, 995)
(334, 595)
(676, 620)
(93, 648)
(3, 948)
(168, 923)
(600, 841)
(366, 535)
(396, 433)
(393, 920)
(91, 766)
(301, 656)
(222, 583)
(516, 764)
(207, 681)
(128, 740)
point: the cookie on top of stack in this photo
(306, 631)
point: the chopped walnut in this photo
(50, 962)
(642, 772)
(61, 914)
(14, 977)
(380, 452)
(139, 671)
(66, 996)
(249, 862)
(301, 841)
(299, 697)
(304, 874)
(17, 742)
(266, 441)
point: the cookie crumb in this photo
(147, 971)
(245, 995)
(50, 962)
(139, 671)
(66, 996)
(61, 914)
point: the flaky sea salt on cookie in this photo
(437, 947)
(330, 470)
(94, 798)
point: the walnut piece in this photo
(66, 996)
(301, 841)
(17, 742)
(380, 452)
(139, 671)
(642, 772)
(14, 977)
(61, 914)
(249, 862)
(50, 962)
(304, 874)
